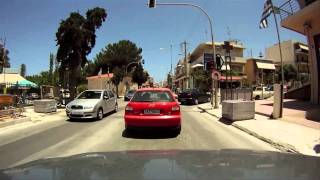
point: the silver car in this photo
(92, 104)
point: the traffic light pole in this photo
(214, 83)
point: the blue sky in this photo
(30, 27)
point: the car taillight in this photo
(175, 108)
(129, 108)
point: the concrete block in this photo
(238, 109)
(45, 105)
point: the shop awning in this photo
(197, 65)
(262, 65)
(26, 83)
(234, 78)
(306, 48)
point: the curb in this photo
(14, 122)
(280, 146)
(204, 110)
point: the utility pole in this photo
(185, 59)
(108, 79)
(171, 73)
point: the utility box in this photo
(45, 105)
(238, 110)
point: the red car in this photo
(153, 107)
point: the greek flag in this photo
(267, 10)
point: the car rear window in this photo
(152, 96)
(131, 91)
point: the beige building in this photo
(182, 74)
(260, 71)
(103, 81)
(303, 16)
(293, 52)
(237, 60)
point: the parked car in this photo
(193, 96)
(153, 107)
(258, 94)
(129, 94)
(92, 104)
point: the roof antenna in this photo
(260, 55)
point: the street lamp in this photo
(152, 4)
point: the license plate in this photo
(151, 111)
(76, 113)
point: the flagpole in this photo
(281, 63)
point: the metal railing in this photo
(288, 8)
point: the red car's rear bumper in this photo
(152, 121)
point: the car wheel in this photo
(196, 101)
(177, 131)
(257, 97)
(100, 114)
(116, 108)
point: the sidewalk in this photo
(294, 111)
(283, 135)
(30, 116)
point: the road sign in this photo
(216, 75)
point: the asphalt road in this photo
(200, 131)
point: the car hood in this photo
(86, 102)
(171, 164)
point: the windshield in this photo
(82, 76)
(90, 95)
(152, 96)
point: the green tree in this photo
(169, 80)
(50, 75)
(4, 58)
(139, 76)
(201, 78)
(23, 70)
(75, 38)
(116, 57)
(118, 75)
(290, 72)
(39, 79)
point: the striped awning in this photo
(262, 65)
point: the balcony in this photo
(295, 14)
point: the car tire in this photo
(257, 97)
(177, 131)
(195, 101)
(99, 114)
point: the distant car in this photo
(193, 96)
(153, 107)
(33, 96)
(92, 104)
(258, 94)
(129, 94)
